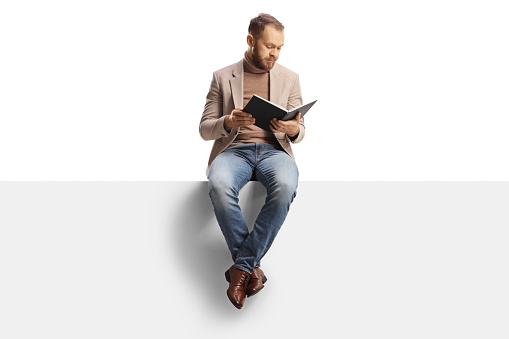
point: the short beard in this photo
(257, 59)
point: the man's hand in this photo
(237, 118)
(290, 127)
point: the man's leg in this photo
(277, 171)
(228, 173)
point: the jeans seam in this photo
(242, 179)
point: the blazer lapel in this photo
(275, 85)
(236, 85)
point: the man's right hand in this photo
(237, 118)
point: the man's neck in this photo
(249, 53)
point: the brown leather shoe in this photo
(238, 280)
(256, 282)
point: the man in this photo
(243, 151)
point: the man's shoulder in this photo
(284, 69)
(285, 72)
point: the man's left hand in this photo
(290, 127)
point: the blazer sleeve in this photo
(212, 119)
(295, 100)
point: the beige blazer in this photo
(226, 93)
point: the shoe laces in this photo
(244, 279)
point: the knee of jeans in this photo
(286, 189)
(220, 186)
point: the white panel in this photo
(356, 259)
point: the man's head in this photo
(265, 39)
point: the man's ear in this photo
(250, 40)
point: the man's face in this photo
(267, 47)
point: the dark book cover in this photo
(264, 111)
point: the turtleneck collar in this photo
(249, 66)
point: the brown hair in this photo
(257, 25)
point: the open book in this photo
(264, 111)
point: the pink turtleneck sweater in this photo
(256, 81)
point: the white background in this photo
(114, 90)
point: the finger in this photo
(244, 125)
(237, 118)
(274, 127)
(242, 114)
(274, 123)
(245, 122)
(242, 118)
(297, 117)
(238, 110)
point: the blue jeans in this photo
(228, 173)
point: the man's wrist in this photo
(294, 135)
(225, 123)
